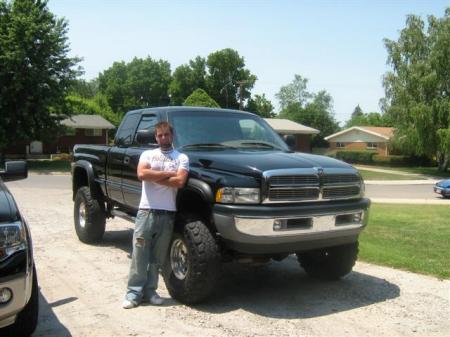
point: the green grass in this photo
(429, 171)
(371, 175)
(45, 166)
(408, 237)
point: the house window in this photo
(93, 132)
(372, 146)
(70, 131)
(340, 145)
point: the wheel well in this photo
(191, 204)
(79, 179)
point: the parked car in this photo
(443, 188)
(248, 198)
(18, 280)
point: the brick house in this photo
(81, 129)
(362, 138)
(301, 132)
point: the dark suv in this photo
(18, 281)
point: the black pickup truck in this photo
(248, 198)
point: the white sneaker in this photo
(156, 300)
(128, 304)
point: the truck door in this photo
(131, 186)
(116, 157)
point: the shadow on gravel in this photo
(280, 289)
(48, 323)
(283, 290)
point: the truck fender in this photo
(201, 188)
(83, 175)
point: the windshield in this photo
(224, 129)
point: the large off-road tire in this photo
(27, 319)
(329, 263)
(192, 265)
(89, 218)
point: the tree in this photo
(369, 119)
(261, 106)
(357, 112)
(96, 105)
(316, 112)
(83, 88)
(200, 98)
(294, 92)
(35, 71)
(226, 74)
(186, 78)
(140, 83)
(417, 89)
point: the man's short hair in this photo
(163, 125)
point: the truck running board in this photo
(123, 215)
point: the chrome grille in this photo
(340, 192)
(294, 194)
(294, 180)
(339, 179)
(311, 186)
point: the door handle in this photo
(126, 160)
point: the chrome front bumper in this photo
(21, 286)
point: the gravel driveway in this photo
(82, 288)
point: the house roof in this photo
(383, 132)
(289, 127)
(87, 122)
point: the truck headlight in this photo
(238, 195)
(12, 239)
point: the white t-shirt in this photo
(154, 195)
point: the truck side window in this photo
(125, 134)
(147, 122)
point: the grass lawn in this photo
(49, 165)
(408, 237)
(430, 171)
(371, 175)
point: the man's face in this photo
(164, 138)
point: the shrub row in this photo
(370, 157)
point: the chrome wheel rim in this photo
(82, 214)
(178, 259)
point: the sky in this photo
(337, 45)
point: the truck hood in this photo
(251, 162)
(8, 209)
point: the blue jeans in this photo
(151, 239)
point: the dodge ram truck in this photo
(248, 198)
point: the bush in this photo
(62, 156)
(356, 157)
(390, 160)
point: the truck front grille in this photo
(312, 187)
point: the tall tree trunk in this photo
(443, 162)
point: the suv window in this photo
(126, 132)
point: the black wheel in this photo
(192, 265)
(329, 263)
(89, 217)
(27, 319)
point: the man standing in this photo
(162, 171)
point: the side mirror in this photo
(145, 137)
(290, 141)
(14, 170)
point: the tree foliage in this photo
(417, 89)
(200, 98)
(357, 112)
(261, 106)
(35, 71)
(96, 105)
(311, 109)
(226, 74)
(369, 119)
(186, 79)
(137, 84)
